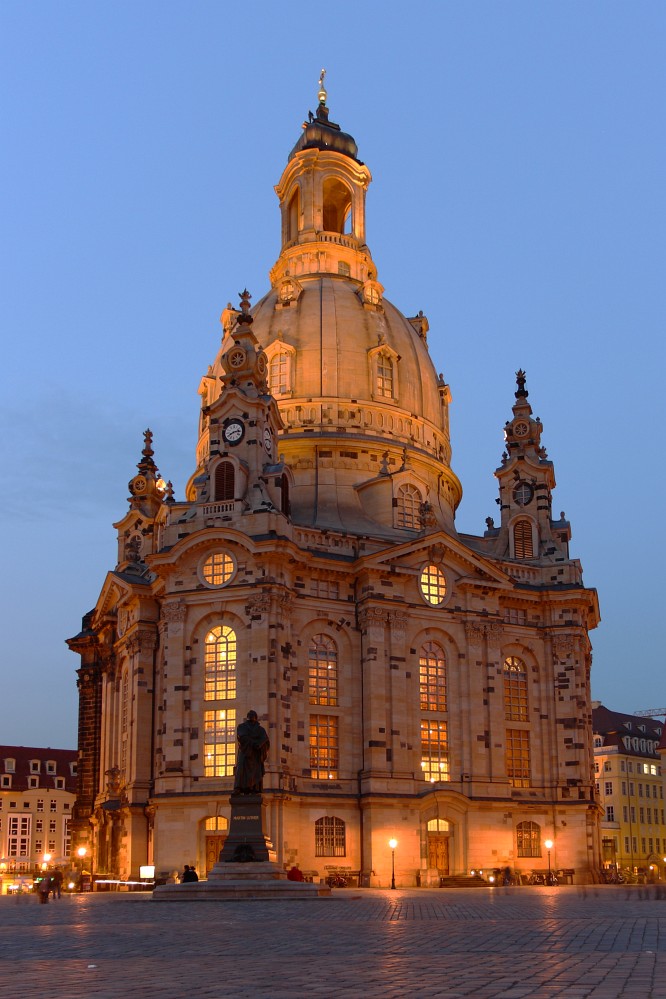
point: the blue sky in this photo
(517, 152)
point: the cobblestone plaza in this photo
(602, 942)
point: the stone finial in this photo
(245, 318)
(147, 453)
(521, 391)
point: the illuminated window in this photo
(218, 569)
(217, 823)
(434, 750)
(518, 757)
(330, 837)
(18, 836)
(278, 373)
(408, 507)
(220, 664)
(432, 675)
(438, 826)
(219, 742)
(324, 747)
(66, 838)
(323, 671)
(225, 481)
(528, 839)
(522, 539)
(433, 585)
(384, 376)
(515, 689)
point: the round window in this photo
(433, 585)
(523, 493)
(218, 569)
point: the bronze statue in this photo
(253, 746)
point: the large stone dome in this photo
(365, 413)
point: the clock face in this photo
(139, 484)
(261, 364)
(520, 429)
(268, 440)
(233, 431)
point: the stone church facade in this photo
(417, 684)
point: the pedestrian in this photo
(56, 882)
(44, 887)
(188, 875)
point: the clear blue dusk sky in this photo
(517, 150)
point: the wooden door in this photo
(213, 846)
(438, 852)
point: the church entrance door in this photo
(438, 852)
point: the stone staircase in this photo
(463, 881)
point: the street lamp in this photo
(81, 852)
(549, 846)
(47, 858)
(393, 843)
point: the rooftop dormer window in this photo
(10, 765)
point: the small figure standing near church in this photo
(253, 746)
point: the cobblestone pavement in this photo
(605, 942)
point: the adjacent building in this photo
(417, 683)
(37, 794)
(628, 773)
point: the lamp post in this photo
(393, 843)
(549, 846)
(81, 852)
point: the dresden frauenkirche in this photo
(426, 693)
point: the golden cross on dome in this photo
(322, 95)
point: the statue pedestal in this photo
(246, 842)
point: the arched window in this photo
(337, 206)
(285, 504)
(225, 481)
(408, 507)
(528, 839)
(278, 373)
(432, 674)
(515, 689)
(293, 216)
(384, 376)
(323, 671)
(220, 664)
(330, 837)
(522, 539)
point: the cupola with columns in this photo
(322, 202)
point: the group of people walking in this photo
(50, 883)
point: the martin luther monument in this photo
(247, 866)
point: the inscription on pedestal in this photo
(246, 842)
